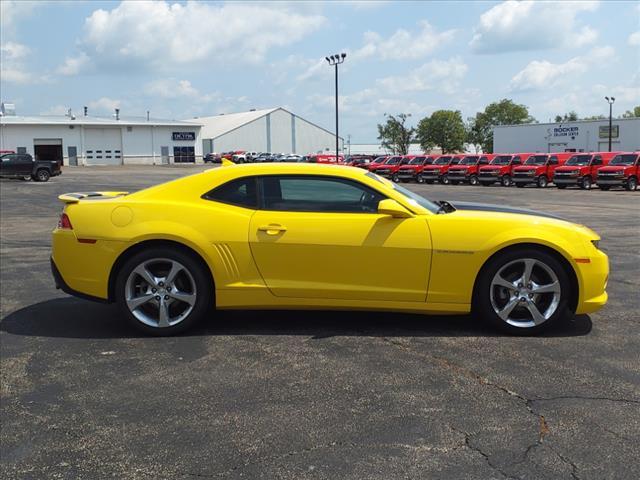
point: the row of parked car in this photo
(240, 156)
(584, 170)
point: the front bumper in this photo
(594, 278)
(457, 177)
(620, 181)
(526, 180)
(567, 180)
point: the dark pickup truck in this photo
(22, 165)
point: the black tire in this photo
(420, 178)
(203, 289)
(561, 187)
(543, 181)
(604, 187)
(444, 180)
(632, 184)
(506, 181)
(586, 183)
(473, 180)
(482, 301)
(394, 178)
(41, 175)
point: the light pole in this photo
(336, 60)
(610, 101)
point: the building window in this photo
(22, 150)
(184, 154)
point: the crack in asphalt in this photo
(580, 397)
(477, 449)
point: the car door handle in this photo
(272, 229)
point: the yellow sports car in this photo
(304, 236)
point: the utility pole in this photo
(610, 101)
(336, 60)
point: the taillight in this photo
(64, 222)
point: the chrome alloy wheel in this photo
(525, 293)
(160, 292)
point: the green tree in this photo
(504, 112)
(595, 117)
(395, 135)
(443, 128)
(567, 117)
(632, 113)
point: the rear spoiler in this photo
(68, 198)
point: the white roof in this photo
(218, 125)
(82, 120)
(577, 122)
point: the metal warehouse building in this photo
(272, 130)
(101, 141)
(581, 136)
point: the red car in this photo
(538, 169)
(378, 161)
(411, 170)
(438, 170)
(386, 169)
(623, 171)
(467, 170)
(500, 169)
(581, 170)
(325, 158)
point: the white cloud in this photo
(529, 25)
(73, 65)
(634, 39)
(442, 75)
(162, 35)
(12, 56)
(542, 74)
(403, 44)
(105, 104)
(171, 88)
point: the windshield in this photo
(442, 161)
(379, 160)
(412, 198)
(393, 161)
(536, 160)
(579, 160)
(417, 161)
(501, 160)
(469, 161)
(623, 160)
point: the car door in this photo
(24, 165)
(321, 237)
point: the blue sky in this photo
(186, 59)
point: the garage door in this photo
(103, 146)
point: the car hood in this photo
(487, 207)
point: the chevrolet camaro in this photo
(304, 236)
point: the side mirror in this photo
(393, 208)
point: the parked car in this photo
(437, 171)
(292, 158)
(286, 236)
(212, 158)
(244, 157)
(22, 165)
(378, 161)
(499, 170)
(581, 170)
(411, 170)
(262, 157)
(388, 168)
(538, 169)
(361, 161)
(467, 170)
(623, 171)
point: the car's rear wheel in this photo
(523, 292)
(632, 183)
(506, 181)
(542, 181)
(163, 291)
(42, 175)
(395, 178)
(473, 180)
(444, 180)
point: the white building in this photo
(274, 130)
(89, 140)
(580, 136)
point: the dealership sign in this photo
(603, 131)
(183, 136)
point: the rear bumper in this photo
(62, 285)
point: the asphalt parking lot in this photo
(318, 395)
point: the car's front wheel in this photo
(163, 291)
(523, 292)
(42, 175)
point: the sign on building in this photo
(603, 131)
(183, 136)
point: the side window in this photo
(553, 160)
(483, 161)
(516, 160)
(597, 160)
(241, 192)
(10, 158)
(304, 193)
